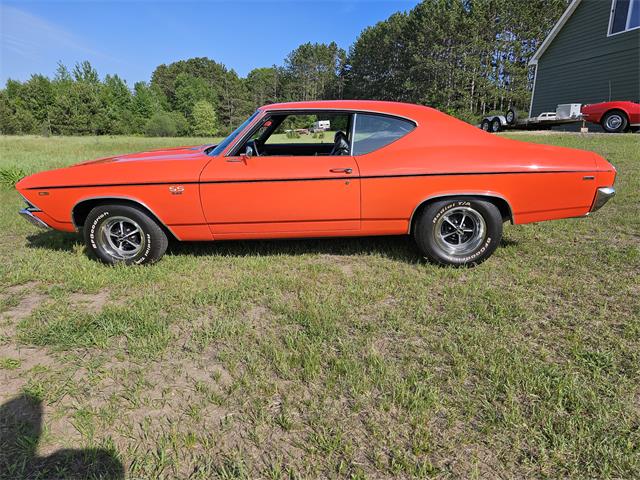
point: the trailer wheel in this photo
(614, 121)
(485, 125)
(496, 126)
(512, 116)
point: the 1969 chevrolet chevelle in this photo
(323, 169)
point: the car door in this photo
(280, 195)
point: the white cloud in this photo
(28, 36)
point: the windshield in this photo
(222, 145)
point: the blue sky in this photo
(132, 38)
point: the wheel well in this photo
(81, 211)
(502, 205)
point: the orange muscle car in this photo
(373, 168)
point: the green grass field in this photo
(323, 358)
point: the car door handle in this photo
(341, 170)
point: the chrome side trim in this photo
(28, 215)
(340, 110)
(31, 206)
(119, 197)
(603, 195)
(353, 134)
(242, 136)
(266, 112)
(459, 194)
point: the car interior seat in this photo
(340, 144)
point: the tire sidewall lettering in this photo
(147, 250)
(448, 207)
(94, 225)
(473, 256)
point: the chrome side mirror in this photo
(248, 151)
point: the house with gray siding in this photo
(592, 55)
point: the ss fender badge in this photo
(176, 189)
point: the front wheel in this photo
(459, 231)
(124, 234)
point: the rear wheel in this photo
(124, 234)
(615, 121)
(459, 231)
(496, 126)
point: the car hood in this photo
(172, 165)
(174, 153)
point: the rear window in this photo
(373, 132)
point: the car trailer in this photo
(565, 114)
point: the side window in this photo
(373, 132)
(309, 128)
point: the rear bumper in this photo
(31, 218)
(603, 195)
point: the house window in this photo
(625, 15)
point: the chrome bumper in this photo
(31, 218)
(603, 195)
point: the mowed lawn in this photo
(323, 358)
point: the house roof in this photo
(554, 31)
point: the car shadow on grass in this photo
(52, 240)
(20, 431)
(399, 248)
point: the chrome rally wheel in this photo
(121, 237)
(460, 231)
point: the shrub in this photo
(9, 176)
(205, 122)
(292, 134)
(161, 124)
(182, 126)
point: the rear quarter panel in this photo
(443, 157)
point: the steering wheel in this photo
(254, 146)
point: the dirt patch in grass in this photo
(12, 381)
(21, 287)
(31, 299)
(92, 302)
(344, 264)
(27, 305)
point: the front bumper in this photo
(31, 218)
(603, 195)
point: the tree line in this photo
(465, 57)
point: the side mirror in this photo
(248, 152)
